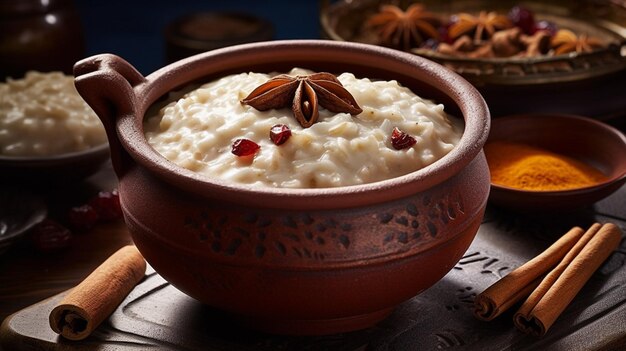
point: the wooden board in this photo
(157, 316)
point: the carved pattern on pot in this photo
(406, 225)
(422, 221)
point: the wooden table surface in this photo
(158, 316)
(28, 276)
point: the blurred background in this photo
(53, 34)
(135, 29)
(63, 31)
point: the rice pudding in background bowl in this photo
(47, 131)
(301, 259)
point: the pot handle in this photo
(106, 82)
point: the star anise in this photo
(566, 41)
(304, 93)
(404, 29)
(482, 26)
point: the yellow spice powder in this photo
(525, 167)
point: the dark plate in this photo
(581, 138)
(19, 211)
(56, 169)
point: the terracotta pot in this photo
(297, 261)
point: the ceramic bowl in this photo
(590, 141)
(42, 171)
(294, 261)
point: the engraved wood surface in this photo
(157, 316)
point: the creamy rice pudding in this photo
(43, 114)
(198, 130)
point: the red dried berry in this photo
(444, 31)
(401, 140)
(279, 133)
(107, 205)
(83, 218)
(523, 18)
(244, 147)
(49, 236)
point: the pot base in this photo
(312, 326)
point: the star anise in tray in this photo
(566, 41)
(404, 29)
(480, 27)
(305, 93)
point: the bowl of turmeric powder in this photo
(554, 162)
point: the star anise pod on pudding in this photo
(566, 41)
(481, 27)
(404, 29)
(304, 93)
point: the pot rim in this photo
(469, 101)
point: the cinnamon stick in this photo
(95, 298)
(518, 284)
(562, 284)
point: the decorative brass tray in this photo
(342, 20)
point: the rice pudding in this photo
(43, 114)
(197, 132)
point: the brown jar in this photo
(43, 35)
(203, 31)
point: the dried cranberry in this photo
(244, 147)
(83, 218)
(547, 26)
(401, 140)
(279, 133)
(51, 236)
(444, 31)
(107, 205)
(523, 18)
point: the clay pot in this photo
(296, 261)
